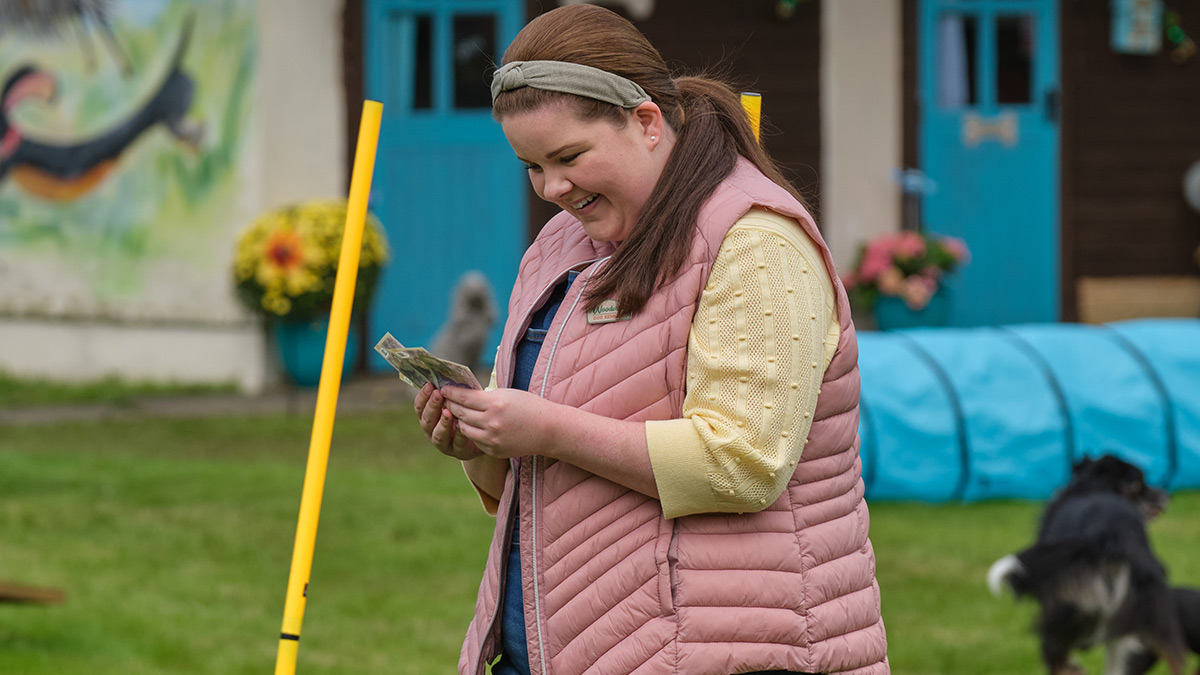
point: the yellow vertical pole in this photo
(327, 389)
(752, 103)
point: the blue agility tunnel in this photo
(952, 414)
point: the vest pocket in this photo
(666, 555)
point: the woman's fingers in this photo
(422, 397)
(440, 425)
(462, 447)
(431, 412)
(442, 433)
(463, 415)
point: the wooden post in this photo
(35, 595)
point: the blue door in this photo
(988, 78)
(448, 189)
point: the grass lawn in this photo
(22, 392)
(173, 539)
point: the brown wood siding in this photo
(353, 76)
(1131, 127)
(760, 52)
(910, 102)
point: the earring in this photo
(654, 138)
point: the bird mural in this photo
(67, 171)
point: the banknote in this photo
(417, 366)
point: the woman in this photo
(672, 496)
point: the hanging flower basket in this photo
(901, 277)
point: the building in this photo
(1054, 134)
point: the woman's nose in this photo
(557, 186)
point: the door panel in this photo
(989, 142)
(448, 189)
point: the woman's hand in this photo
(503, 423)
(440, 426)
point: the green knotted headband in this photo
(569, 78)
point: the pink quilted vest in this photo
(611, 587)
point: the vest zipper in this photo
(533, 480)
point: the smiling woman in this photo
(598, 172)
(675, 486)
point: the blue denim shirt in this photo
(514, 650)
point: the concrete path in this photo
(375, 392)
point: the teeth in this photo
(584, 202)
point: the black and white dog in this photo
(1094, 574)
(1186, 602)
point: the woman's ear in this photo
(649, 118)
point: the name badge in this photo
(606, 312)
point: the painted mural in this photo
(125, 157)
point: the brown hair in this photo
(706, 114)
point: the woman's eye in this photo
(532, 167)
(571, 158)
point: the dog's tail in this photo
(1009, 572)
(1043, 566)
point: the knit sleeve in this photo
(762, 335)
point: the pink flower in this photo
(956, 247)
(876, 258)
(917, 291)
(909, 245)
(885, 260)
(891, 281)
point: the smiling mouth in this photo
(583, 203)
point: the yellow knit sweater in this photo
(764, 332)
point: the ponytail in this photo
(712, 132)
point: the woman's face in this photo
(598, 172)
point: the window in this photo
(474, 49)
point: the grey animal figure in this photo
(472, 314)
(1094, 574)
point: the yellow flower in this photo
(286, 261)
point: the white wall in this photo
(862, 134)
(296, 152)
(302, 100)
(91, 350)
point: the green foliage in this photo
(173, 540)
(21, 392)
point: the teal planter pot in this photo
(892, 314)
(301, 348)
